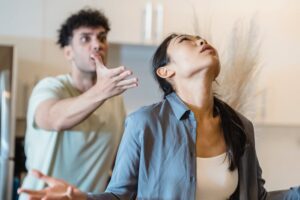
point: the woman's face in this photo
(190, 55)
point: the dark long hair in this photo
(233, 131)
(233, 128)
(160, 59)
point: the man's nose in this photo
(96, 45)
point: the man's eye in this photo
(85, 39)
(102, 39)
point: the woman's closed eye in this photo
(184, 39)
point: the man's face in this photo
(85, 42)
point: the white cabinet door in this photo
(129, 23)
(126, 18)
(55, 12)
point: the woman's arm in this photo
(124, 180)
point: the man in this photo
(75, 121)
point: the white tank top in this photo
(214, 180)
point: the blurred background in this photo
(28, 31)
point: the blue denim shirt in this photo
(157, 157)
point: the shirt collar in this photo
(178, 107)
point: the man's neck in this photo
(82, 81)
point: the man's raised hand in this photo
(111, 82)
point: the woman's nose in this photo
(201, 42)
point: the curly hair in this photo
(83, 18)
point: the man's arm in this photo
(63, 114)
(57, 189)
(123, 184)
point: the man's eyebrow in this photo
(85, 33)
(104, 33)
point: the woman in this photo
(191, 145)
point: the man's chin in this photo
(92, 64)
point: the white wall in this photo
(277, 23)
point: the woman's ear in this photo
(164, 72)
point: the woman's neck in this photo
(198, 96)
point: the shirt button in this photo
(192, 154)
(192, 179)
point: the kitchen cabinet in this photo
(127, 18)
(55, 12)
(130, 24)
(179, 17)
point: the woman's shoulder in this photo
(147, 112)
(150, 114)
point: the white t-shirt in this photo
(82, 155)
(214, 180)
